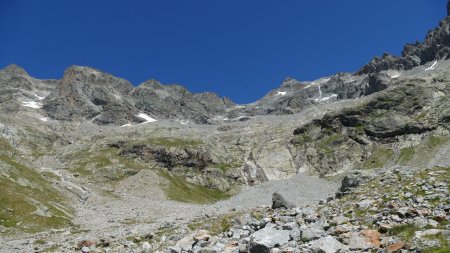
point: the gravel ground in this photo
(107, 218)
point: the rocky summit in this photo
(354, 162)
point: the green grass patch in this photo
(359, 129)
(436, 141)
(105, 162)
(444, 247)
(405, 231)
(172, 142)
(379, 158)
(420, 154)
(222, 225)
(180, 190)
(301, 138)
(406, 155)
(5, 146)
(27, 200)
(326, 144)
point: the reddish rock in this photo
(85, 243)
(373, 237)
(395, 247)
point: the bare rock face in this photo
(172, 156)
(176, 102)
(93, 95)
(17, 86)
(345, 140)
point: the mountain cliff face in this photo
(86, 93)
(175, 102)
(17, 87)
(101, 161)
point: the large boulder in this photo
(264, 240)
(278, 201)
(327, 245)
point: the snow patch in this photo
(147, 118)
(282, 93)
(44, 119)
(126, 125)
(321, 81)
(184, 122)
(433, 66)
(327, 98)
(38, 97)
(32, 104)
(393, 73)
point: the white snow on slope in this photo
(126, 125)
(282, 93)
(145, 117)
(432, 66)
(44, 119)
(321, 81)
(327, 98)
(38, 97)
(32, 104)
(184, 122)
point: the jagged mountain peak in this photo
(152, 83)
(436, 46)
(14, 69)
(289, 82)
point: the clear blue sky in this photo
(237, 48)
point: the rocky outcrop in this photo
(278, 201)
(17, 87)
(85, 93)
(347, 139)
(176, 102)
(170, 157)
(294, 96)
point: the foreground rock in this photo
(394, 220)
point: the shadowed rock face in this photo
(176, 102)
(170, 157)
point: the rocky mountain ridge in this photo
(89, 94)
